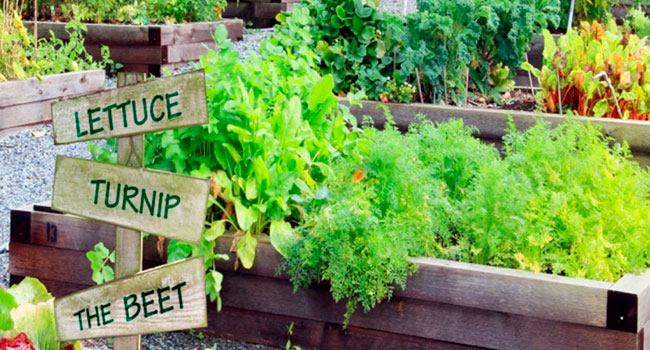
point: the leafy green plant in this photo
(21, 57)
(99, 259)
(454, 44)
(639, 22)
(397, 93)
(130, 11)
(586, 10)
(28, 308)
(289, 345)
(357, 43)
(602, 72)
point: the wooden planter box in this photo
(27, 102)
(447, 304)
(149, 49)
(260, 12)
(492, 123)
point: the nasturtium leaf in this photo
(283, 237)
(177, 250)
(246, 250)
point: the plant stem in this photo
(417, 76)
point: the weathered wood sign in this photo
(161, 104)
(163, 203)
(167, 298)
(134, 199)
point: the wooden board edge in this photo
(628, 305)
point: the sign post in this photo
(171, 297)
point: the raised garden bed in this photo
(492, 123)
(27, 102)
(149, 49)
(261, 13)
(447, 304)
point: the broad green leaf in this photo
(217, 228)
(601, 108)
(251, 189)
(246, 250)
(108, 274)
(321, 92)
(220, 34)
(7, 303)
(233, 152)
(38, 322)
(29, 291)
(177, 250)
(283, 237)
(246, 217)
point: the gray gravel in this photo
(179, 341)
(397, 6)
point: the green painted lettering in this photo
(171, 202)
(122, 106)
(151, 205)
(129, 304)
(109, 110)
(90, 316)
(117, 195)
(180, 295)
(78, 314)
(92, 121)
(144, 111)
(129, 192)
(146, 303)
(97, 183)
(160, 197)
(162, 300)
(171, 105)
(106, 314)
(77, 126)
(152, 111)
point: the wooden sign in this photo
(170, 297)
(157, 202)
(157, 105)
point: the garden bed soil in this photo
(27, 102)
(447, 304)
(148, 48)
(491, 124)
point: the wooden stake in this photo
(128, 243)
(35, 30)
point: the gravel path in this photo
(397, 6)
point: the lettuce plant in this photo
(596, 70)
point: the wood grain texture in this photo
(188, 52)
(199, 32)
(60, 265)
(55, 86)
(429, 320)
(193, 313)
(63, 231)
(191, 104)
(124, 34)
(492, 123)
(75, 194)
(128, 243)
(484, 287)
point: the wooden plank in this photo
(188, 52)
(270, 10)
(124, 34)
(26, 114)
(57, 230)
(166, 298)
(178, 202)
(128, 243)
(485, 287)
(54, 86)
(61, 265)
(169, 103)
(56, 288)
(360, 338)
(492, 123)
(540, 295)
(430, 320)
(199, 32)
(629, 303)
(263, 328)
